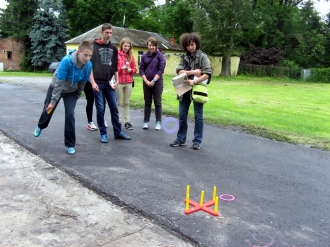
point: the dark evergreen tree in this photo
(48, 34)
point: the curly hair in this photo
(187, 38)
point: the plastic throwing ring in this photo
(170, 119)
(222, 197)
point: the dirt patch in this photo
(42, 206)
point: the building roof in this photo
(138, 37)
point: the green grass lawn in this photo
(278, 109)
(19, 73)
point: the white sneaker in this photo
(158, 126)
(146, 126)
(106, 124)
(91, 126)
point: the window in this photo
(9, 55)
(140, 53)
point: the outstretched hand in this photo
(49, 108)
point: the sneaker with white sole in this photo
(196, 146)
(91, 126)
(146, 125)
(158, 125)
(177, 144)
(128, 126)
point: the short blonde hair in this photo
(85, 45)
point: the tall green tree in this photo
(307, 41)
(175, 18)
(220, 22)
(84, 15)
(290, 25)
(17, 18)
(150, 20)
(17, 21)
(326, 57)
(49, 33)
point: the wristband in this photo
(195, 81)
(154, 80)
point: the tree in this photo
(17, 18)
(175, 18)
(150, 20)
(16, 21)
(49, 33)
(290, 25)
(220, 23)
(307, 42)
(84, 15)
(326, 57)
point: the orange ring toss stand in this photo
(206, 207)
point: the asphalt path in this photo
(281, 190)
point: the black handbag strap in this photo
(151, 61)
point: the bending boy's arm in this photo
(58, 80)
(57, 91)
(81, 86)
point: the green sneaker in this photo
(71, 150)
(37, 131)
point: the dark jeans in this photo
(89, 93)
(155, 93)
(70, 100)
(183, 123)
(105, 91)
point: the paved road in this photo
(281, 190)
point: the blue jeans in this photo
(106, 92)
(70, 100)
(183, 122)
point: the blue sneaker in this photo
(123, 136)
(104, 138)
(71, 150)
(37, 131)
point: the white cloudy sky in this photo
(322, 6)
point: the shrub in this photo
(267, 70)
(319, 75)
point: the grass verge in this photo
(278, 109)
